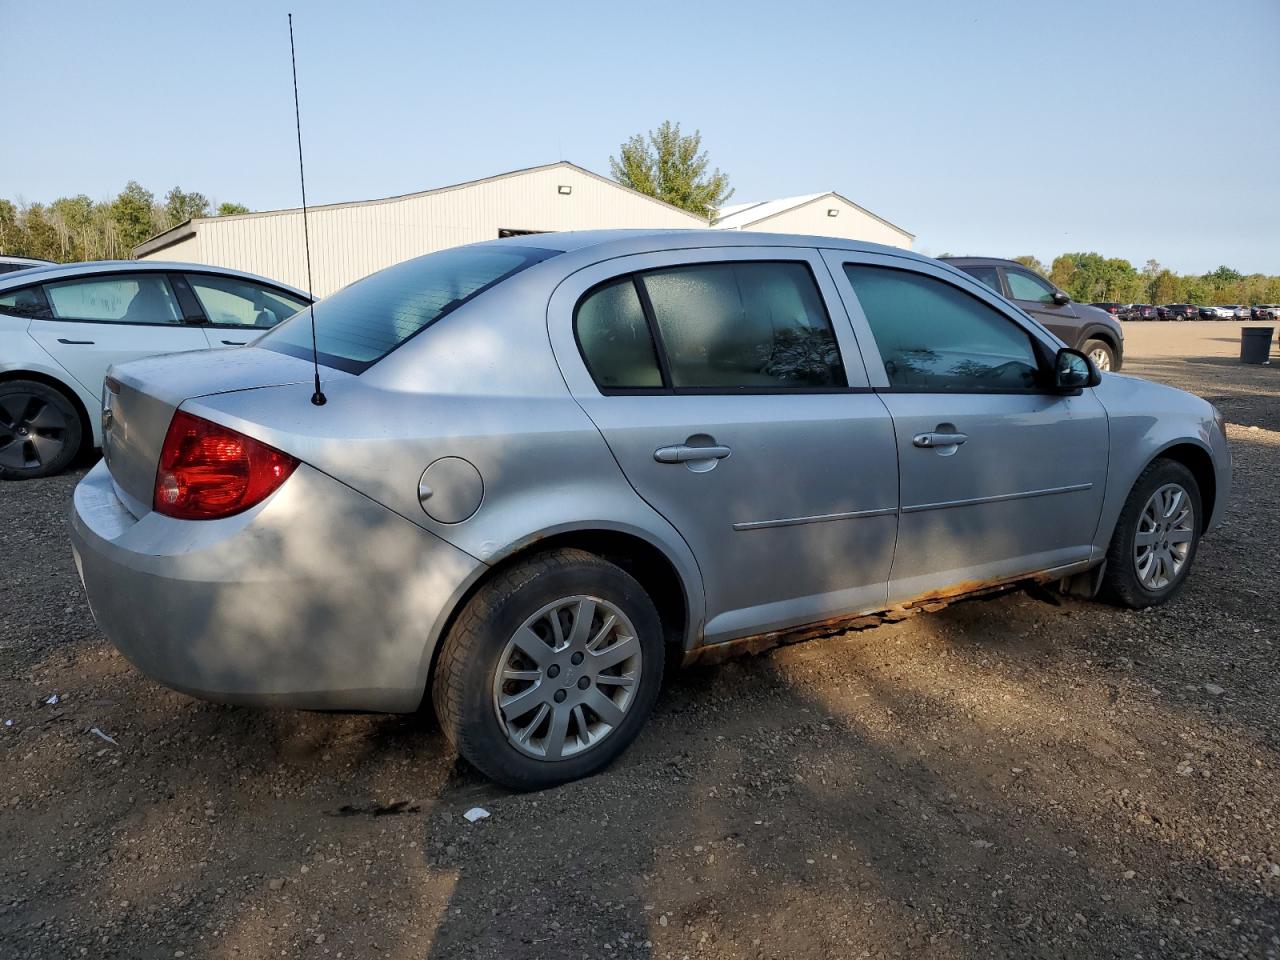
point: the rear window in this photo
(362, 323)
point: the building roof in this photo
(740, 215)
(188, 227)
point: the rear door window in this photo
(144, 298)
(230, 301)
(734, 326)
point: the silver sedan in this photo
(547, 465)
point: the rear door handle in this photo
(683, 453)
(939, 439)
(87, 343)
(235, 343)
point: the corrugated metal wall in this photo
(353, 240)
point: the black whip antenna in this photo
(318, 398)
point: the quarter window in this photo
(933, 336)
(1027, 286)
(615, 339)
(743, 325)
(230, 301)
(987, 275)
(130, 298)
(26, 302)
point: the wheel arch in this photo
(86, 425)
(676, 595)
(1200, 462)
(1107, 336)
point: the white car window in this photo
(227, 300)
(123, 298)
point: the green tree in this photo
(231, 209)
(672, 167)
(133, 217)
(180, 206)
(1031, 263)
(10, 229)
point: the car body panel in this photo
(500, 383)
(264, 603)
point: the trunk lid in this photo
(140, 397)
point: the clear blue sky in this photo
(1137, 129)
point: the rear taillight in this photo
(208, 471)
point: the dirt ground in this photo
(1023, 776)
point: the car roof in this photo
(67, 271)
(34, 261)
(611, 243)
(981, 262)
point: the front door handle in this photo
(235, 343)
(86, 343)
(929, 440)
(683, 453)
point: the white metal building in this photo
(352, 240)
(822, 214)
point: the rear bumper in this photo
(317, 597)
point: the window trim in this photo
(1039, 349)
(668, 389)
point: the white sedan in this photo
(61, 326)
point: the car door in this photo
(1036, 295)
(93, 321)
(999, 476)
(238, 310)
(738, 407)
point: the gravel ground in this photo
(1024, 775)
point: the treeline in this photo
(77, 228)
(1093, 278)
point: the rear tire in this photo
(1154, 544)
(520, 692)
(1101, 353)
(40, 430)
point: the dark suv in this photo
(1182, 311)
(1087, 328)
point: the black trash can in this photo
(1255, 344)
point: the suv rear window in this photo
(362, 323)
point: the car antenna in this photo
(318, 398)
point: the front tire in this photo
(1103, 357)
(1156, 538)
(550, 670)
(40, 430)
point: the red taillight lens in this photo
(208, 471)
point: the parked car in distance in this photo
(1265, 311)
(546, 465)
(1234, 311)
(1143, 311)
(1087, 328)
(1111, 308)
(14, 264)
(1181, 311)
(63, 325)
(1217, 313)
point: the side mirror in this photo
(1060, 298)
(1072, 371)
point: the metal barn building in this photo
(353, 240)
(823, 214)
